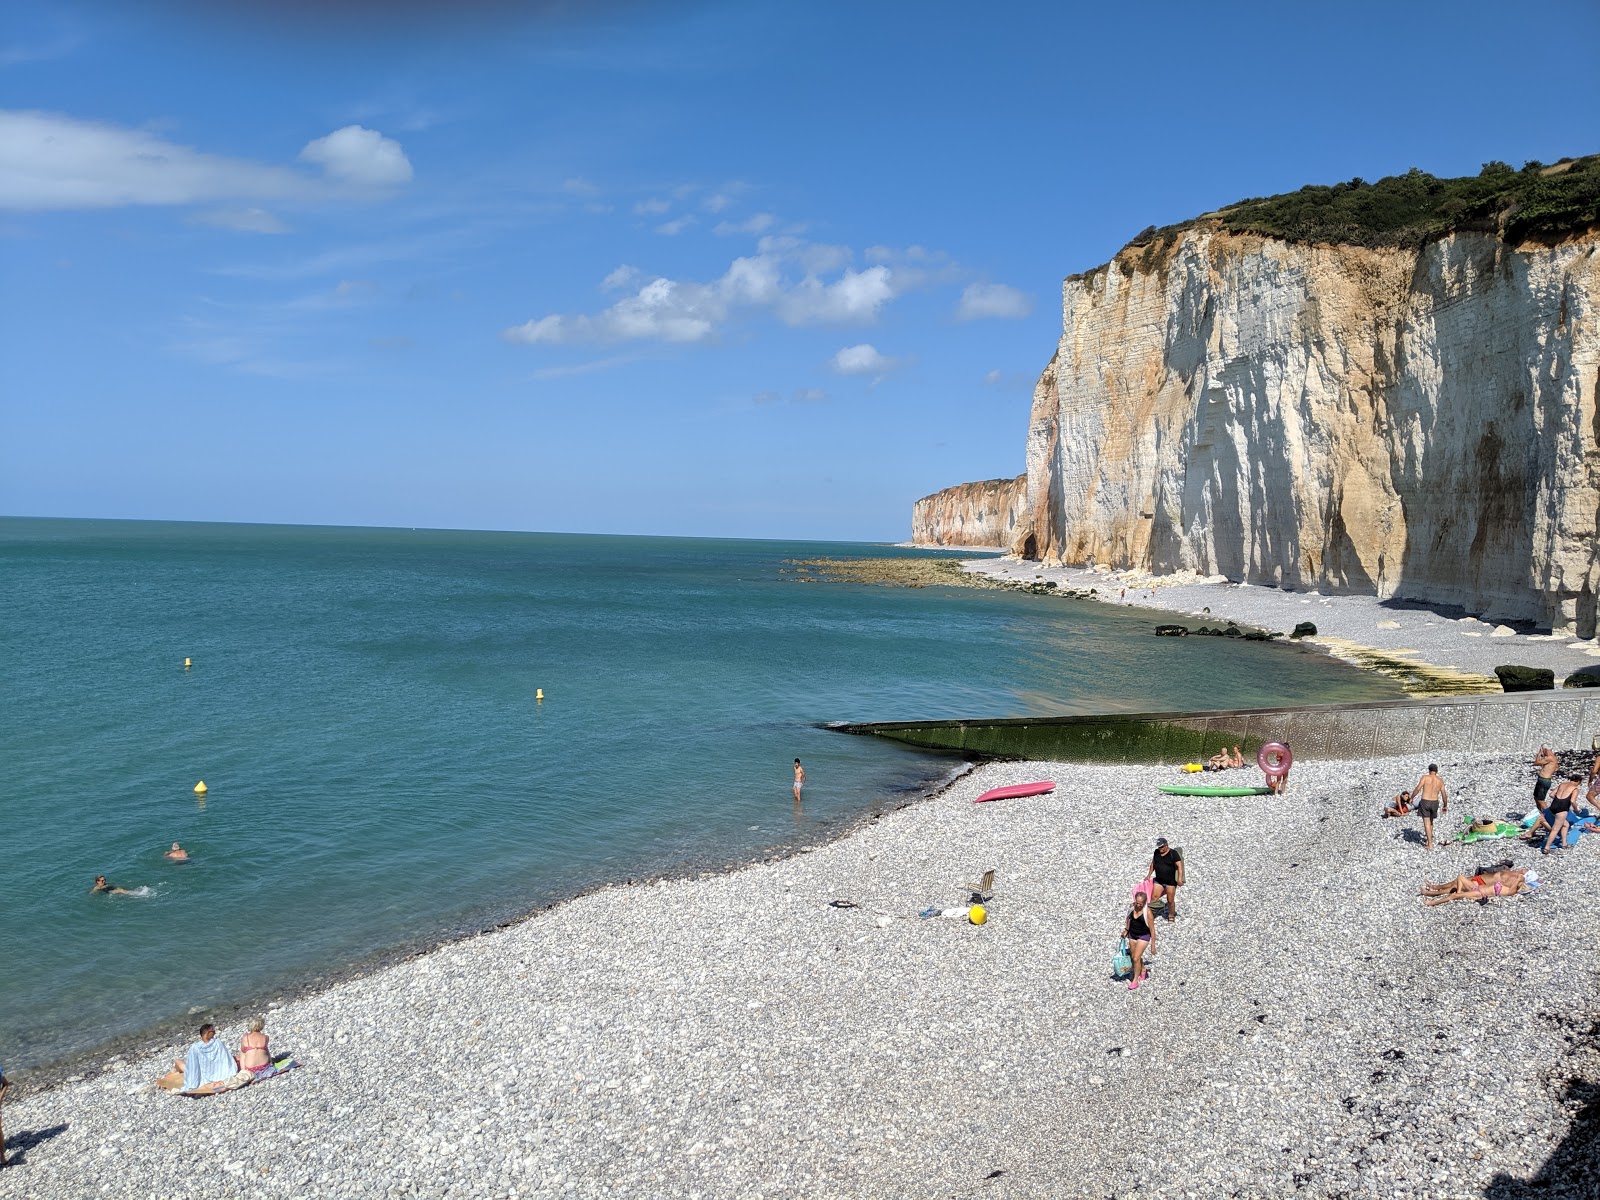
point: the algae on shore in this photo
(1418, 679)
(909, 572)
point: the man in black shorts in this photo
(1432, 800)
(1166, 868)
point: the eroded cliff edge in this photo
(970, 514)
(1418, 422)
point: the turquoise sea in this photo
(362, 709)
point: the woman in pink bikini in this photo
(253, 1054)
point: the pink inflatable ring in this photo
(1274, 759)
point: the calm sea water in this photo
(362, 708)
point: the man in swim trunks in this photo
(105, 889)
(799, 779)
(1433, 800)
(177, 853)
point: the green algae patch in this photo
(1416, 678)
(895, 572)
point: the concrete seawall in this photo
(1522, 721)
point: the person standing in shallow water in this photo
(1432, 800)
(799, 779)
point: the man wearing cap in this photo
(1166, 868)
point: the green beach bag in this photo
(1122, 962)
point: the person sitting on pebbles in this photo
(205, 1066)
(1399, 806)
(1486, 885)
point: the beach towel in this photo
(207, 1062)
(1581, 826)
(1502, 829)
(280, 1064)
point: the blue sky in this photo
(733, 269)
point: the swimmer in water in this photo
(799, 779)
(100, 885)
(178, 853)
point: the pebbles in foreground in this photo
(1309, 1028)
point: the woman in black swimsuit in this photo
(1141, 937)
(1561, 801)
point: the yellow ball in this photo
(977, 915)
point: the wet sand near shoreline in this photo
(1309, 1026)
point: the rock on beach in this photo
(1309, 1028)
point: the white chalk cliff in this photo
(1419, 423)
(970, 514)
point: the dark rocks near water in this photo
(1525, 679)
(1304, 629)
(1584, 678)
(1172, 630)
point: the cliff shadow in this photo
(1573, 1168)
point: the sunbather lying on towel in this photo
(1486, 885)
(205, 1066)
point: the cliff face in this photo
(970, 514)
(1415, 423)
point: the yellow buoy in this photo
(538, 694)
(187, 664)
(977, 915)
(200, 788)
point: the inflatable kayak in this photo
(1017, 789)
(1195, 789)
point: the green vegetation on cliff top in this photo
(1537, 203)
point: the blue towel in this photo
(208, 1062)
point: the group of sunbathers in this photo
(1225, 760)
(209, 1066)
(1491, 883)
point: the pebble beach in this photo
(795, 1028)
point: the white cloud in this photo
(805, 395)
(980, 300)
(579, 186)
(241, 220)
(49, 162)
(863, 360)
(360, 156)
(994, 377)
(717, 202)
(690, 311)
(675, 226)
(653, 207)
(759, 223)
(622, 277)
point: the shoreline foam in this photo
(737, 1034)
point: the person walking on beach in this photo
(1166, 868)
(1547, 763)
(799, 779)
(1433, 800)
(1141, 937)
